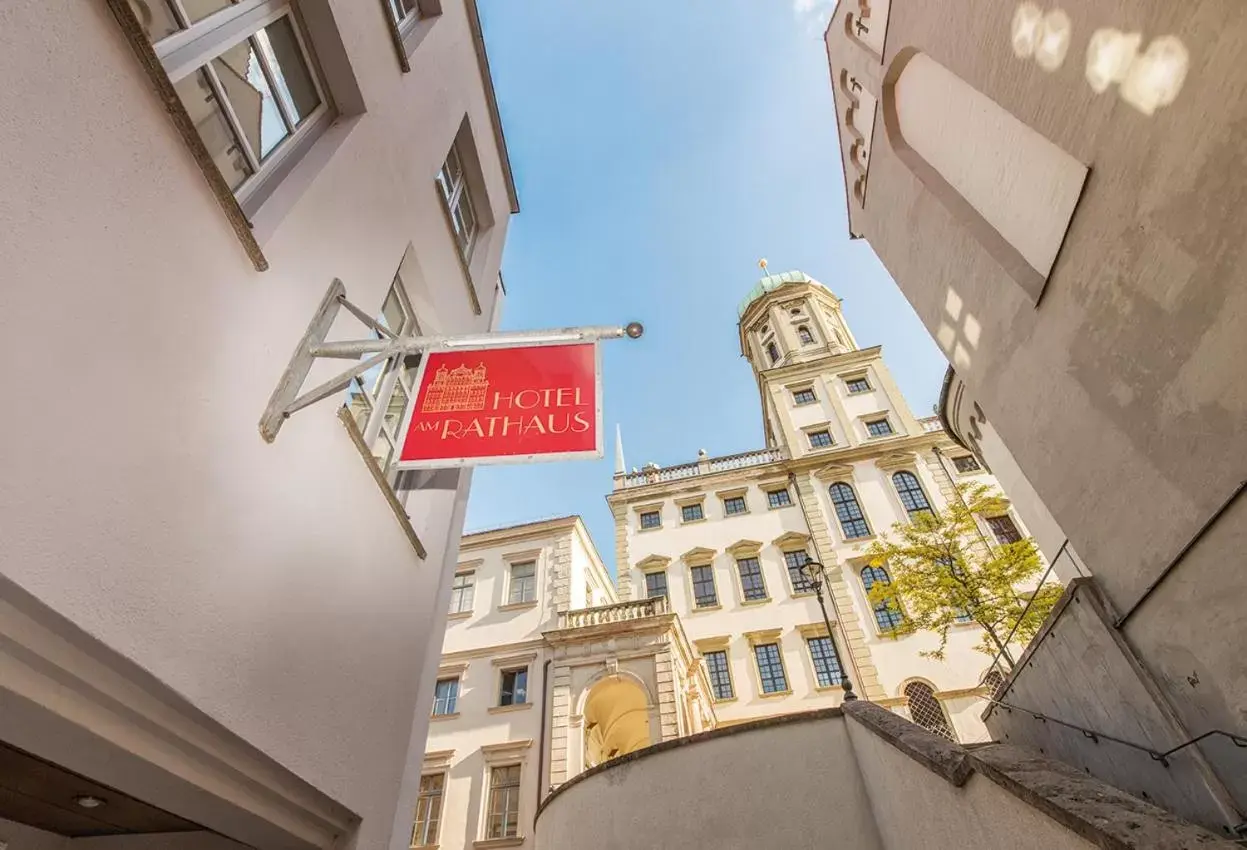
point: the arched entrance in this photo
(616, 720)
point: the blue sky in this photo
(661, 147)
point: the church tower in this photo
(819, 390)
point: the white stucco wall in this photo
(269, 584)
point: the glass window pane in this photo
(395, 409)
(393, 316)
(359, 405)
(197, 10)
(291, 74)
(382, 450)
(195, 92)
(156, 17)
(249, 94)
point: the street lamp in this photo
(815, 576)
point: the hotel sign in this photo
(516, 404)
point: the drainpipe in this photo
(831, 597)
(541, 751)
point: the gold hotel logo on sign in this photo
(456, 389)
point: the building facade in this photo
(1047, 185)
(550, 669)
(202, 631)
(846, 459)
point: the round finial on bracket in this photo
(633, 330)
(849, 696)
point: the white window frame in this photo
(455, 707)
(455, 192)
(193, 48)
(515, 790)
(393, 374)
(457, 593)
(424, 801)
(525, 597)
(403, 20)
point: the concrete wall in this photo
(268, 584)
(1119, 391)
(794, 785)
(1079, 670)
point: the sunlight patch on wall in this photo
(1043, 37)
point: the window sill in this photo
(459, 615)
(433, 717)
(506, 709)
(487, 843)
(738, 513)
(751, 602)
(861, 539)
(778, 507)
(774, 694)
(827, 689)
(518, 606)
(698, 608)
(802, 594)
(692, 521)
(718, 701)
(651, 528)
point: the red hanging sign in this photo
(505, 405)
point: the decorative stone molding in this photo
(763, 636)
(834, 472)
(653, 563)
(710, 644)
(522, 556)
(454, 669)
(698, 556)
(438, 760)
(508, 751)
(791, 538)
(814, 630)
(744, 548)
(520, 660)
(895, 461)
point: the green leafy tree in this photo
(944, 573)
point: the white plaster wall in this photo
(488, 624)
(914, 807)
(269, 584)
(725, 792)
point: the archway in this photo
(616, 720)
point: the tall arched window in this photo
(888, 616)
(994, 682)
(911, 494)
(1007, 184)
(804, 334)
(772, 353)
(852, 521)
(926, 711)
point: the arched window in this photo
(911, 494)
(772, 352)
(888, 616)
(926, 711)
(994, 683)
(803, 334)
(1011, 188)
(852, 521)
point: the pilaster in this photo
(560, 723)
(668, 714)
(561, 572)
(623, 565)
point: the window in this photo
(463, 593)
(655, 584)
(772, 353)
(852, 521)
(966, 463)
(704, 593)
(804, 396)
(778, 498)
(795, 561)
(995, 683)
(857, 385)
(453, 185)
(827, 669)
(445, 696)
(720, 676)
(691, 513)
(879, 427)
(926, 711)
(378, 399)
(752, 587)
(651, 519)
(733, 505)
(428, 810)
(803, 334)
(911, 495)
(514, 689)
(965, 152)
(504, 802)
(403, 12)
(820, 439)
(523, 582)
(254, 101)
(770, 668)
(1004, 529)
(888, 616)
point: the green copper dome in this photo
(770, 282)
